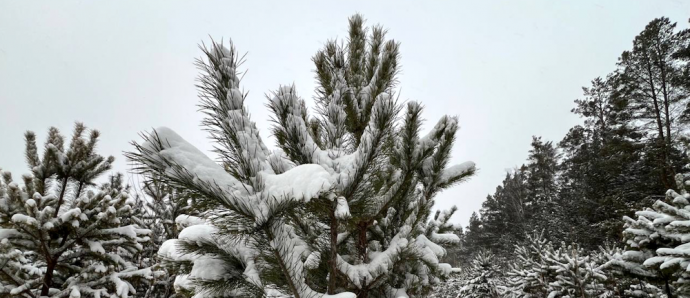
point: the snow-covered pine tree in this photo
(482, 278)
(167, 206)
(658, 242)
(167, 211)
(618, 283)
(341, 208)
(451, 286)
(60, 236)
(577, 275)
(531, 274)
(542, 270)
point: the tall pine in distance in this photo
(652, 85)
(341, 208)
(626, 151)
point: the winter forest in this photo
(343, 204)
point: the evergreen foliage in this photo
(626, 151)
(165, 211)
(483, 277)
(60, 235)
(341, 208)
(657, 242)
(530, 275)
(543, 270)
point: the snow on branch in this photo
(228, 122)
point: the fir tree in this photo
(342, 207)
(60, 235)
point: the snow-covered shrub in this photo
(165, 211)
(542, 270)
(59, 235)
(531, 274)
(658, 243)
(450, 287)
(340, 208)
(577, 274)
(483, 278)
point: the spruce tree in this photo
(340, 208)
(60, 235)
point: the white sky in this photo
(508, 70)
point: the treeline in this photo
(621, 159)
(631, 144)
(654, 261)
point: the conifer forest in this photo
(339, 198)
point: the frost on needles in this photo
(342, 207)
(60, 236)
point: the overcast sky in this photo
(509, 70)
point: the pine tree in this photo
(604, 170)
(504, 215)
(482, 277)
(577, 275)
(455, 254)
(531, 274)
(657, 243)
(650, 83)
(528, 200)
(474, 239)
(451, 287)
(60, 235)
(543, 270)
(165, 211)
(543, 209)
(342, 206)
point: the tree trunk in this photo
(362, 241)
(80, 188)
(667, 105)
(333, 258)
(362, 252)
(660, 128)
(48, 278)
(668, 289)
